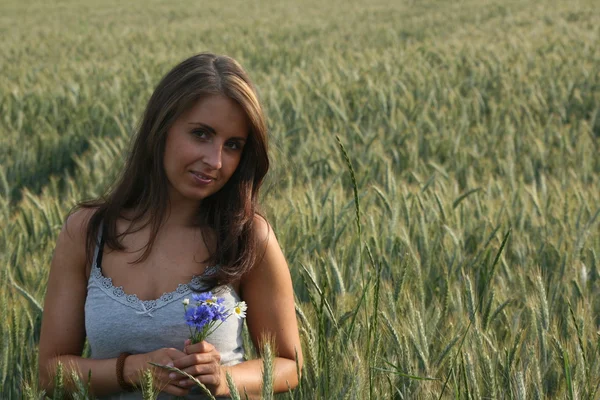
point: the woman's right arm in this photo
(63, 324)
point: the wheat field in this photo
(435, 183)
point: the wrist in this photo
(223, 388)
(131, 370)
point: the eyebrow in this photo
(207, 127)
(213, 131)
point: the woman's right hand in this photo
(137, 363)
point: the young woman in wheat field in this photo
(181, 220)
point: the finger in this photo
(195, 359)
(164, 378)
(207, 347)
(199, 369)
(176, 390)
(202, 347)
(209, 380)
(187, 383)
(161, 374)
(174, 353)
(164, 383)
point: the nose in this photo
(214, 158)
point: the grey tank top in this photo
(117, 322)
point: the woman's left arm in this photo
(267, 289)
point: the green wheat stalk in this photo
(193, 379)
(477, 308)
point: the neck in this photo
(182, 213)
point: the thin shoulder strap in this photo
(99, 248)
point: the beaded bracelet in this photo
(126, 386)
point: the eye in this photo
(234, 145)
(200, 133)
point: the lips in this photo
(203, 178)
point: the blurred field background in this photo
(463, 121)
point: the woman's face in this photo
(204, 147)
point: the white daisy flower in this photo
(186, 302)
(211, 301)
(240, 310)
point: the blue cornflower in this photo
(220, 312)
(199, 317)
(203, 297)
(208, 314)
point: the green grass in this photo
(461, 121)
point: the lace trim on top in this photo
(196, 284)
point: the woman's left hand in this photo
(203, 362)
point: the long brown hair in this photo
(143, 186)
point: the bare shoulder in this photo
(270, 263)
(69, 262)
(71, 242)
(76, 225)
(263, 231)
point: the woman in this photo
(182, 219)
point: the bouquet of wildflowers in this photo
(208, 313)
